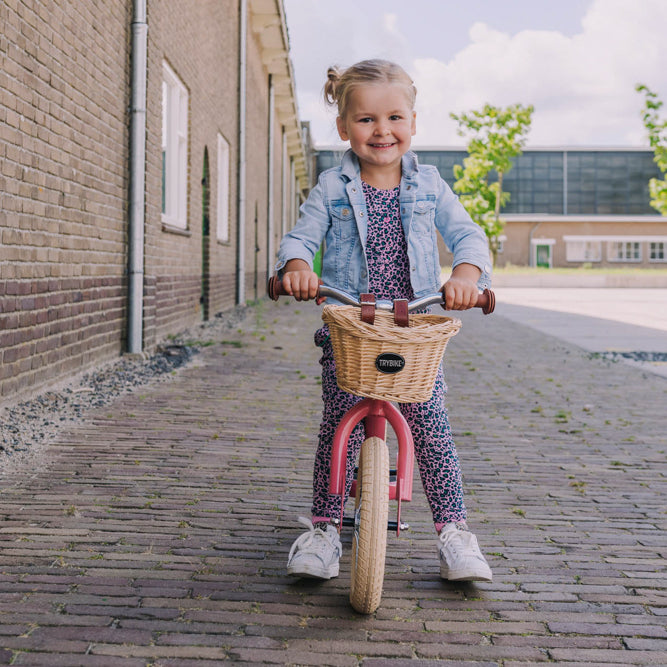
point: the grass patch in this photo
(232, 343)
(511, 270)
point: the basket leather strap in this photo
(367, 308)
(401, 315)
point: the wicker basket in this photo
(386, 361)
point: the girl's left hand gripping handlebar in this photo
(486, 300)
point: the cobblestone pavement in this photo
(156, 532)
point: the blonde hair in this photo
(340, 83)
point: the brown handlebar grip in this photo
(486, 301)
(274, 288)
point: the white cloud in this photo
(329, 38)
(582, 86)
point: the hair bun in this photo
(331, 86)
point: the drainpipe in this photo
(293, 193)
(284, 184)
(565, 183)
(137, 179)
(240, 225)
(270, 179)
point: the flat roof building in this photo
(568, 206)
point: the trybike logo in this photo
(389, 362)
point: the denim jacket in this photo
(335, 212)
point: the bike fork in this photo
(375, 414)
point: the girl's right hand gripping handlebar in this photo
(486, 300)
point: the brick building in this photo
(151, 157)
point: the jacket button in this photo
(361, 214)
(346, 211)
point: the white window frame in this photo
(540, 242)
(624, 251)
(222, 201)
(175, 101)
(657, 251)
(583, 250)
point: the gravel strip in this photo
(26, 427)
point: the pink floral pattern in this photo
(389, 278)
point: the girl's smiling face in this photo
(379, 124)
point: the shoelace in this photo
(451, 539)
(308, 540)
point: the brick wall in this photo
(63, 150)
(64, 119)
(257, 179)
(201, 46)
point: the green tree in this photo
(495, 136)
(657, 136)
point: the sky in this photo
(576, 61)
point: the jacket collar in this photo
(350, 165)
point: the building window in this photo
(223, 190)
(624, 251)
(583, 251)
(657, 252)
(174, 149)
(535, 183)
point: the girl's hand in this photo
(300, 281)
(460, 291)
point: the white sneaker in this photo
(316, 553)
(460, 556)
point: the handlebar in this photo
(486, 300)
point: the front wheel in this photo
(369, 542)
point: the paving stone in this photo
(603, 657)
(157, 530)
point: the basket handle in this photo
(401, 313)
(367, 302)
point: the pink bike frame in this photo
(376, 414)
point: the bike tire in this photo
(369, 542)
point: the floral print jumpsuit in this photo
(389, 278)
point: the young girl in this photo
(377, 214)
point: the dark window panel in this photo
(598, 182)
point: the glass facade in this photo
(444, 161)
(328, 159)
(610, 182)
(536, 183)
(559, 182)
